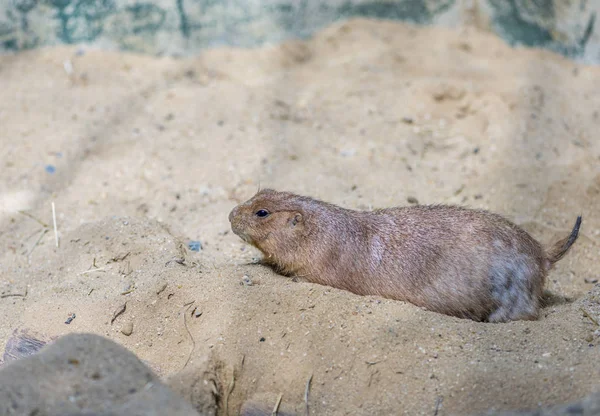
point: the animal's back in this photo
(459, 261)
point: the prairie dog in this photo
(457, 261)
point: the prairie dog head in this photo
(271, 221)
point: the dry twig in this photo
(118, 312)
(306, 393)
(42, 234)
(228, 392)
(9, 295)
(99, 269)
(590, 317)
(42, 223)
(276, 408)
(187, 307)
(438, 404)
(54, 222)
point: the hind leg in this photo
(512, 313)
(515, 291)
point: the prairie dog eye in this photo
(262, 213)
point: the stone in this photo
(127, 328)
(587, 406)
(85, 374)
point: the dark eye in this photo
(262, 213)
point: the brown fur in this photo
(457, 261)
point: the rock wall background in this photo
(184, 27)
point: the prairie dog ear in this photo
(295, 219)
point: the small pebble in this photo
(195, 245)
(262, 339)
(127, 328)
(70, 319)
(412, 200)
(246, 281)
(588, 280)
(348, 152)
(407, 120)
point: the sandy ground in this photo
(150, 153)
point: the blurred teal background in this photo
(185, 27)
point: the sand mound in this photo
(142, 155)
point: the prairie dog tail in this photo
(561, 247)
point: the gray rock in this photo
(84, 374)
(588, 406)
